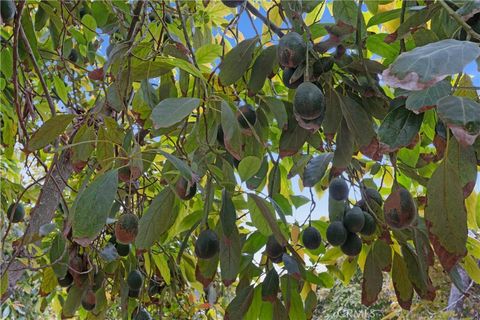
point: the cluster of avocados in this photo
(346, 222)
(309, 101)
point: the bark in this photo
(41, 214)
(457, 297)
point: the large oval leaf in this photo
(262, 67)
(158, 219)
(420, 101)
(424, 66)
(399, 128)
(50, 130)
(93, 206)
(172, 110)
(462, 115)
(237, 61)
(316, 168)
(445, 214)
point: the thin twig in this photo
(38, 71)
(17, 25)
(260, 16)
(402, 19)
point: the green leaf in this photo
(230, 254)
(262, 68)
(49, 131)
(59, 256)
(270, 286)
(291, 266)
(256, 180)
(463, 158)
(228, 215)
(294, 137)
(416, 19)
(462, 116)
(238, 307)
(162, 266)
(277, 107)
(206, 269)
(172, 110)
(256, 306)
(4, 283)
(93, 206)
(89, 27)
(257, 218)
(141, 70)
(424, 66)
(180, 165)
(420, 101)
(236, 61)
(399, 128)
(291, 297)
(98, 11)
(376, 44)
(385, 16)
(401, 283)
(7, 62)
(347, 11)
(60, 88)
(269, 216)
(232, 136)
(73, 301)
(471, 267)
(49, 282)
(159, 218)
(372, 280)
(83, 143)
(357, 119)
(344, 146)
(208, 53)
(316, 168)
(445, 214)
(333, 114)
(248, 167)
(418, 276)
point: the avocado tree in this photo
(152, 151)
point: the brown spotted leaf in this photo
(424, 66)
(445, 213)
(401, 282)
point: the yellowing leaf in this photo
(162, 266)
(471, 267)
(60, 88)
(471, 206)
(50, 130)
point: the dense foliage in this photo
(151, 151)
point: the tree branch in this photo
(38, 71)
(267, 22)
(135, 19)
(16, 33)
(460, 20)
